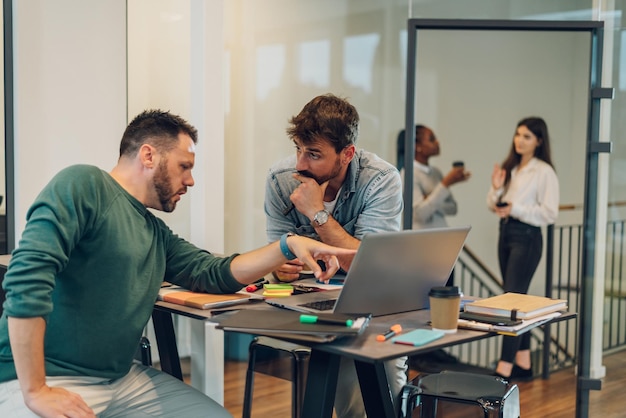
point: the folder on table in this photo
(287, 324)
(199, 300)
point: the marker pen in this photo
(256, 286)
(395, 329)
(313, 319)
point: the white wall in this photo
(175, 63)
(70, 89)
(71, 93)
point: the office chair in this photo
(143, 353)
(495, 396)
(265, 355)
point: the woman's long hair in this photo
(538, 127)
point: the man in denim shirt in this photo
(334, 193)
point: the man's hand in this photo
(309, 251)
(308, 197)
(57, 402)
(27, 335)
(289, 271)
(248, 267)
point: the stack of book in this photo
(277, 290)
(510, 313)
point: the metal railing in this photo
(615, 289)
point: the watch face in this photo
(321, 217)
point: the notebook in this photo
(392, 272)
(182, 296)
(516, 306)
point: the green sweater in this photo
(91, 261)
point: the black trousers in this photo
(519, 252)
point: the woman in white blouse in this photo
(524, 194)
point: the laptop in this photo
(392, 272)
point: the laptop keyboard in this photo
(321, 305)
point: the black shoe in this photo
(522, 375)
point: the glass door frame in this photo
(596, 93)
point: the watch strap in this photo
(284, 248)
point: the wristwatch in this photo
(321, 217)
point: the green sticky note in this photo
(278, 286)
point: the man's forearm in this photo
(332, 233)
(27, 340)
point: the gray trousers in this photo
(143, 392)
(348, 399)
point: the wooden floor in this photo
(554, 398)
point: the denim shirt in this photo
(370, 199)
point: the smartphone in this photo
(458, 164)
(502, 204)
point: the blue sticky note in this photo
(418, 337)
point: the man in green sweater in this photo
(81, 285)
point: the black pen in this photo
(306, 289)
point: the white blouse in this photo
(533, 192)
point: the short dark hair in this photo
(420, 135)
(329, 117)
(157, 128)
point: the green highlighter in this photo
(314, 319)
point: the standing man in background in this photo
(335, 193)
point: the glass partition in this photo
(6, 144)
(473, 86)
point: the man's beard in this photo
(162, 186)
(322, 179)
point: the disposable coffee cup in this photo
(445, 302)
